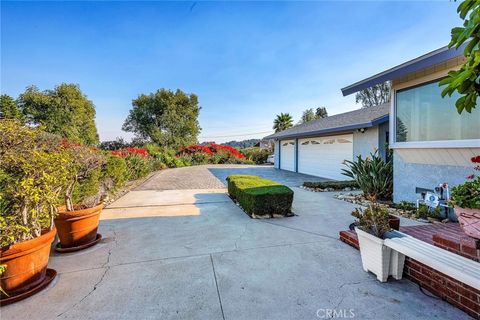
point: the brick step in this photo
(453, 291)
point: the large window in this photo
(423, 115)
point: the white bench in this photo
(462, 269)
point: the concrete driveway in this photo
(193, 254)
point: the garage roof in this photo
(343, 122)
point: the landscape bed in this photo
(260, 198)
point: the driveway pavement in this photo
(193, 254)
(214, 176)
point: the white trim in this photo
(449, 144)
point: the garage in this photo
(287, 155)
(323, 156)
(319, 147)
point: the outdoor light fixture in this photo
(362, 130)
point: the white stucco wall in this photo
(374, 138)
(276, 148)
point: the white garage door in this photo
(287, 155)
(323, 156)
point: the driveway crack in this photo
(97, 284)
(216, 285)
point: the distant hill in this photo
(242, 144)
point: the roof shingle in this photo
(361, 118)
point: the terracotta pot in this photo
(26, 264)
(394, 222)
(469, 220)
(78, 227)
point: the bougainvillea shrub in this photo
(194, 149)
(212, 154)
(130, 151)
(229, 150)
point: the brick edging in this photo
(456, 293)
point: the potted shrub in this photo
(466, 200)
(77, 221)
(32, 175)
(371, 225)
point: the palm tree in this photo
(282, 121)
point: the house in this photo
(431, 142)
(319, 147)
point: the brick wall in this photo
(454, 292)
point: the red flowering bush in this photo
(123, 153)
(190, 150)
(213, 153)
(230, 150)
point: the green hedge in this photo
(259, 196)
(337, 185)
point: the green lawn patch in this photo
(260, 197)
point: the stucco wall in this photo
(276, 148)
(366, 142)
(407, 176)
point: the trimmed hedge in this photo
(337, 185)
(260, 197)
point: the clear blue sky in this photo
(247, 61)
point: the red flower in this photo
(123, 153)
(470, 177)
(476, 159)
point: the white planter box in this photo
(378, 258)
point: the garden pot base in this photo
(59, 249)
(49, 276)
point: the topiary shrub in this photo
(260, 197)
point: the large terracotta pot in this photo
(26, 264)
(78, 227)
(469, 220)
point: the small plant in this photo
(467, 195)
(405, 205)
(373, 219)
(373, 175)
(425, 212)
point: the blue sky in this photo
(247, 61)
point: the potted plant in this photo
(32, 175)
(466, 201)
(77, 221)
(371, 225)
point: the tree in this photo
(374, 96)
(282, 121)
(64, 111)
(9, 109)
(311, 114)
(165, 117)
(466, 79)
(321, 112)
(307, 115)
